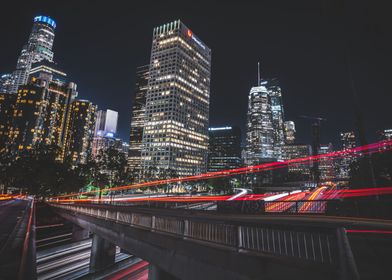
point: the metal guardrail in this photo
(314, 244)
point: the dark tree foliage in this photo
(37, 171)
(381, 163)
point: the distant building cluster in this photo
(39, 104)
(170, 130)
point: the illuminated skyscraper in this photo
(7, 104)
(106, 123)
(289, 132)
(80, 131)
(6, 82)
(41, 110)
(137, 118)
(326, 165)
(175, 132)
(39, 47)
(224, 150)
(277, 111)
(259, 129)
(348, 141)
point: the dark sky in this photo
(303, 43)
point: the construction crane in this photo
(315, 144)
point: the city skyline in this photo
(298, 85)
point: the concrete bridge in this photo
(181, 244)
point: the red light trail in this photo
(358, 151)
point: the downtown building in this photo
(137, 119)
(289, 132)
(7, 104)
(326, 166)
(105, 131)
(298, 171)
(79, 131)
(348, 141)
(38, 48)
(224, 150)
(175, 134)
(41, 111)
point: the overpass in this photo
(184, 244)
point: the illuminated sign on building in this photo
(45, 19)
(190, 35)
(220, 128)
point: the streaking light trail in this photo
(358, 151)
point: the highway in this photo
(10, 212)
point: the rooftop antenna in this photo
(258, 73)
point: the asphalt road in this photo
(10, 213)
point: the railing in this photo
(304, 242)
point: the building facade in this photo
(41, 112)
(38, 48)
(6, 82)
(7, 105)
(277, 111)
(259, 129)
(80, 131)
(348, 141)
(137, 119)
(224, 150)
(289, 132)
(106, 122)
(326, 165)
(175, 134)
(298, 171)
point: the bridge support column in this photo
(103, 254)
(155, 273)
(79, 233)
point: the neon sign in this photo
(46, 20)
(190, 35)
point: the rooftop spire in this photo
(258, 73)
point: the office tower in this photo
(277, 111)
(80, 131)
(40, 112)
(27, 126)
(7, 104)
(289, 132)
(348, 141)
(6, 83)
(326, 166)
(224, 150)
(137, 118)
(39, 47)
(175, 134)
(259, 129)
(106, 123)
(298, 171)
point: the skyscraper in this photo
(41, 109)
(80, 131)
(277, 111)
(348, 141)
(224, 150)
(137, 118)
(175, 134)
(326, 166)
(289, 131)
(6, 83)
(39, 47)
(259, 129)
(106, 123)
(7, 104)
(298, 171)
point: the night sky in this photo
(302, 43)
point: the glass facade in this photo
(224, 151)
(137, 118)
(38, 48)
(175, 134)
